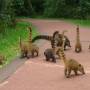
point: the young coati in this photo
(28, 49)
(70, 64)
(78, 46)
(51, 52)
(50, 38)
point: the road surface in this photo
(37, 74)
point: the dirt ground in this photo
(37, 74)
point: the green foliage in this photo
(23, 7)
(9, 42)
(85, 23)
(38, 6)
(67, 8)
(48, 8)
(7, 15)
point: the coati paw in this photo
(47, 59)
(54, 61)
(67, 76)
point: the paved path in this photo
(37, 74)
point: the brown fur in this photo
(24, 49)
(28, 49)
(32, 47)
(70, 64)
(78, 46)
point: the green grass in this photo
(9, 43)
(85, 23)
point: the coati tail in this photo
(54, 40)
(30, 34)
(45, 37)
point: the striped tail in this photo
(54, 40)
(61, 49)
(45, 37)
(30, 35)
(63, 39)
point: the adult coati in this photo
(33, 49)
(50, 38)
(28, 49)
(78, 46)
(70, 64)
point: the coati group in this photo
(70, 64)
(59, 42)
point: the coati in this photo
(51, 52)
(70, 64)
(50, 38)
(78, 46)
(32, 47)
(28, 49)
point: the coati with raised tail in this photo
(50, 38)
(70, 64)
(28, 49)
(32, 47)
(78, 46)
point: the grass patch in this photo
(9, 42)
(85, 23)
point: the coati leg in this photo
(53, 59)
(28, 54)
(69, 72)
(47, 58)
(34, 53)
(22, 55)
(75, 71)
(65, 71)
